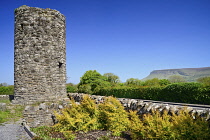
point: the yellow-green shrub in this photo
(113, 117)
(136, 126)
(158, 126)
(78, 117)
(165, 126)
(110, 115)
(188, 128)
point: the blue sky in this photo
(129, 38)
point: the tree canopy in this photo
(91, 80)
(112, 78)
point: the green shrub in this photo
(182, 92)
(187, 128)
(158, 126)
(83, 117)
(89, 116)
(136, 126)
(110, 115)
(165, 126)
(193, 93)
(85, 89)
(71, 89)
(7, 90)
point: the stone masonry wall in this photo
(40, 55)
(43, 114)
(147, 106)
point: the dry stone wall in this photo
(40, 55)
(147, 106)
(43, 114)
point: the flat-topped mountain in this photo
(189, 74)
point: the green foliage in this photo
(5, 101)
(71, 88)
(86, 88)
(177, 92)
(112, 116)
(4, 115)
(136, 126)
(93, 79)
(133, 82)
(112, 78)
(204, 80)
(152, 82)
(47, 133)
(164, 82)
(165, 126)
(149, 93)
(158, 126)
(182, 92)
(78, 117)
(187, 128)
(12, 114)
(6, 90)
(89, 116)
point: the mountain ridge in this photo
(189, 74)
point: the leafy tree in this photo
(164, 82)
(204, 80)
(133, 82)
(86, 88)
(71, 88)
(92, 80)
(152, 82)
(112, 78)
(176, 79)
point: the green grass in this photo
(5, 101)
(4, 115)
(14, 113)
(46, 133)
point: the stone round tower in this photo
(40, 55)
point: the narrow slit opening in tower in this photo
(60, 64)
(21, 26)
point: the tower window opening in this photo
(21, 26)
(60, 64)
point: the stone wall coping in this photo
(152, 101)
(146, 105)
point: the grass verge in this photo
(12, 113)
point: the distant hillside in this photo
(189, 74)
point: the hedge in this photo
(193, 93)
